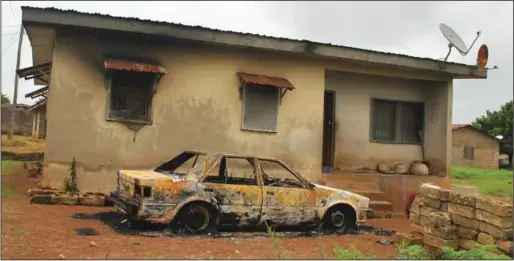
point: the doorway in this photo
(328, 129)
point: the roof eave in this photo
(105, 22)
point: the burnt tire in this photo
(340, 219)
(196, 218)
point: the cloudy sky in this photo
(401, 27)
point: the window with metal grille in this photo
(260, 107)
(130, 95)
(396, 121)
(469, 153)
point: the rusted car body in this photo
(202, 190)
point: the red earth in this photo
(31, 231)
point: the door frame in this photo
(332, 131)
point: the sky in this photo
(410, 28)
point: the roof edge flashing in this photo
(215, 36)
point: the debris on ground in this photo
(87, 231)
(385, 242)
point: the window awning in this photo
(39, 92)
(128, 65)
(266, 80)
(38, 72)
(38, 104)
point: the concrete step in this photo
(378, 205)
(371, 194)
(351, 177)
(353, 186)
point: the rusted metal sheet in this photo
(127, 65)
(162, 195)
(265, 80)
(37, 93)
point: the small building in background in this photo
(474, 148)
(23, 119)
(39, 119)
(38, 111)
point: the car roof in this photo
(232, 155)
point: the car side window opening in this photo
(275, 174)
(234, 171)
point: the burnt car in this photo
(201, 190)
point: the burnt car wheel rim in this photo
(338, 219)
(196, 219)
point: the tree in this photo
(498, 123)
(5, 99)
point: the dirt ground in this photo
(31, 231)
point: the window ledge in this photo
(261, 131)
(130, 121)
(395, 142)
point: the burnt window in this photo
(130, 95)
(260, 107)
(396, 122)
(469, 153)
(239, 171)
(275, 174)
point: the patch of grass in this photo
(276, 242)
(350, 254)
(410, 252)
(496, 183)
(480, 252)
(9, 167)
(22, 144)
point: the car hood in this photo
(333, 194)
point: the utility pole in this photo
(15, 96)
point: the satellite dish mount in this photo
(455, 41)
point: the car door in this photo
(234, 183)
(287, 201)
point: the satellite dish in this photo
(482, 56)
(453, 38)
(499, 137)
(455, 41)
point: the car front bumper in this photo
(123, 204)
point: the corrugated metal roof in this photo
(265, 80)
(228, 31)
(128, 65)
(458, 126)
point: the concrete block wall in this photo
(448, 218)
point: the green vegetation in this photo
(497, 183)
(410, 252)
(70, 184)
(276, 242)
(481, 252)
(498, 123)
(350, 254)
(5, 99)
(9, 167)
